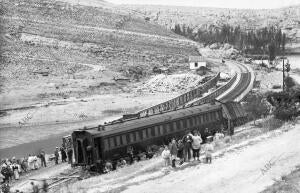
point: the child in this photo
(166, 155)
(209, 149)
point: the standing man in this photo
(196, 145)
(35, 188)
(173, 151)
(70, 156)
(130, 154)
(63, 155)
(56, 154)
(45, 186)
(187, 141)
(206, 134)
(43, 159)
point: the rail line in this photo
(242, 87)
(235, 90)
(61, 179)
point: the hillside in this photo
(288, 18)
(50, 42)
(65, 66)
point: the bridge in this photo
(234, 90)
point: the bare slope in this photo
(68, 42)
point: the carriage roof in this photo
(110, 129)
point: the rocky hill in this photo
(288, 18)
(57, 30)
(48, 41)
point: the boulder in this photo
(214, 46)
(227, 46)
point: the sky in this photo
(252, 4)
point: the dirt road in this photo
(247, 170)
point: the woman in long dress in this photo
(16, 170)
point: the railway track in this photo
(243, 85)
(60, 180)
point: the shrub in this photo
(227, 139)
(271, 123)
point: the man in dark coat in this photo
(70, 155)
(63, 155)
(130, 154)
(187, 142)
(173, 151)
(43, 159)
(5, 171)
(56, 154)
(205, 135)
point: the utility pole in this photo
(283, 85)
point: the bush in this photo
(227, 139)
(289, 82)
(271, 123)
(286, 114)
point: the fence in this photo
(180, 100)
(210, 97)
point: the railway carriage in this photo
(110, 141)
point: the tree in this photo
(286, 104)
(272, 50)
(256, 106)
(289, 82)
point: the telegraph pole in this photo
(283, 76)
(283, 85)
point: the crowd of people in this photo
(189, 147)
(12, 169)
(177, 151)
(182, 150)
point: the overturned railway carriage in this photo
(110, 141)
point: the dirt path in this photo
(249, 169)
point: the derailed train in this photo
(110, 141)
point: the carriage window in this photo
(174, 126)
(132, 137)
(205, 118)
(184, 123)
(191, 122)
(106, 145)
(213, 115)
(168, 128)
(161, 129)
(144, 134)
(181, 124)
(138, 137)
(178, 125)
(156, 131)
(118, 140)
(195, 120)
(124, 141)
(201, 119)
(149, 132)
(188, 123)
(152, 131)
(111, 142)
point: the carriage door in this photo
(80, 155)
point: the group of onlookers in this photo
(182, 150)
(190, 146)
(11, 169)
